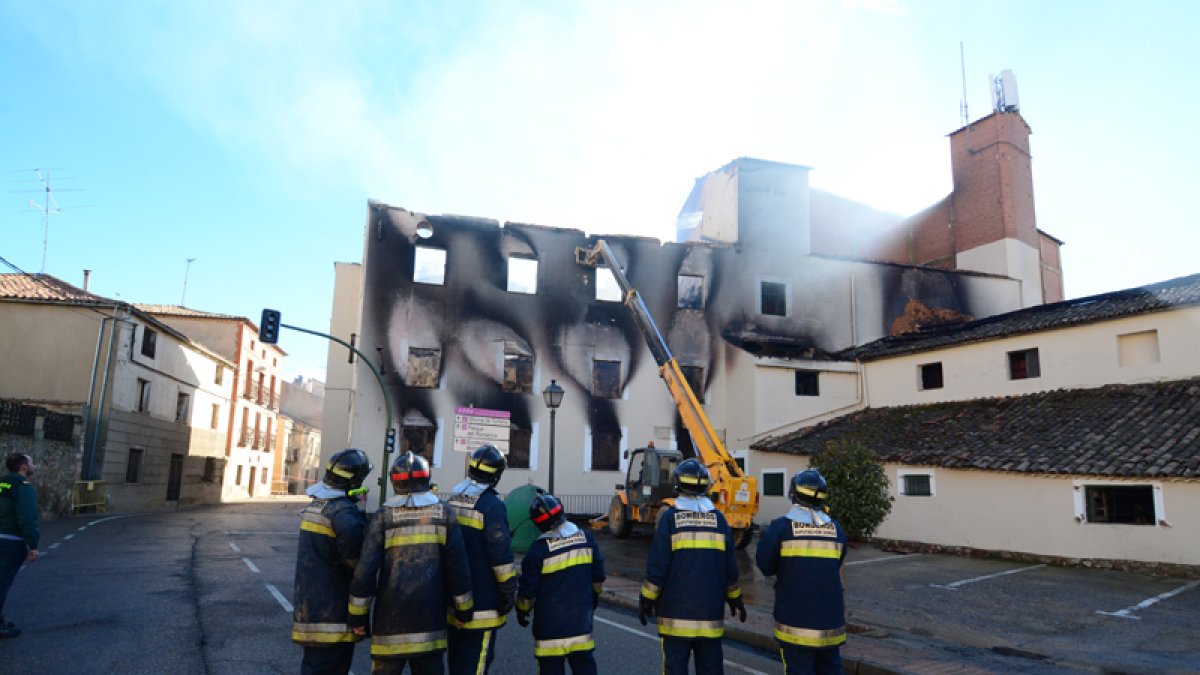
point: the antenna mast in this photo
(48, 208)
(962, 60)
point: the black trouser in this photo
(12, 555)
(471, 651)
(806, 661)
(328, 660)
(582, 663)
(425, 664)
(709, 656)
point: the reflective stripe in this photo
(315, 522)
(322, 632)
(359, 606)
(524, 604)
(477, 464)
(557, 563)
(811, 548)
(504, 572)
(650, 591)
(563, 646)
(713, 540)
(807, 637)
(484, 618)
(407, 643)
(733, 592)
(415, 534)
(483, 649)
(598, 588)
(337, 470)
(464, 601)
(469, 518)
(690, 628)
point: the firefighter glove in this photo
(595, 599)
(463, 616)
(737, 607)
(523, 618)
(645, 608)
(506, 605)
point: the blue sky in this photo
(249, 135)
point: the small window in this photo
(518, 447)
(773, 298)
(263, 478)
(149, 342)
(606, 379)
(210, 469)
(691, 291)
(607, 289)
(931, 376)
(181, 407)
(1127, 504)
(522, 275)
(429, 266)
(518, 369)
(1023, 365)
(772, 483)
(238, 479)
(808, 383)
(1138, 349)
(133, 466)
(216, 416)
(220, 376)
(916, 484)
(424, 367)
(143, 402)
(606, 450)
(420, 440)
(251, 345)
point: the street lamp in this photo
(553, 396)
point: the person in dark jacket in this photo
(331, 537)
(691, 573)
(413, 567)
(484, 521)
(562, 575)
(19, 532)
(806, 549)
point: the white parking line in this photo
(954, 586)
(287, 606)
(234, 547)
(1127, 613)
(648, 636)
(250, 565)
(884, 559)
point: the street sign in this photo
(474, 427)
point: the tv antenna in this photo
(48, 207)
(962, 108)
(186, 271)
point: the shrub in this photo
(858, 486)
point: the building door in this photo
(174, 478)
(251, 485)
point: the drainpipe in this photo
(110, 365)
(91, 403)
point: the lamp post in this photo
(553, 397)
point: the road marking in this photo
(1127, 613)
(83, 528)
(234, 547)
(287, 606)
(884, 559)
(954, 586)
(250, 565)
(255, 533)
(54, 546)
(648, 636)
(68, 537)
(104, 519)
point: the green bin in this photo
(522, 528)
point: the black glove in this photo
(737, 607)
(506, 605)
(463, 616)
(595, 599)
(523, 618)
(645, 608)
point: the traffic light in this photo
(268, 328)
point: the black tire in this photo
(619, 524)
(742, 537)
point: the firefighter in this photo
(561, 579)
(331, 536)
(805, 550)
(691, 573)
(484, 522)
(414, 566)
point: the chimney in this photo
(87, 276)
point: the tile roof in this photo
(1180, 292)
(45, 288)
(1129, 430)
(185, 312)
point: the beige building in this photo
(155, 402)
(300, 409)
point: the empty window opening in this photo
(518, 447)
(149, 342)
(606, 379)
(143, 402)
(133, 466)
(606, 286)
(1138, 349)
(210, 469)
(916, 484)
(808, 383)
(931, 376)
(181, 407)
(773, 298)
(522, 275)
(424, 367)
(772, 483)
(606, 450)
(1023, 365)
(429, 266)
(1127, 504)
(694, 375)
(691, 291)
(220, 376)
(518, 369)
(420, 440)
(216, 416)
(238, 480)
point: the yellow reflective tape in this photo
(488, 618)
(809, 552)
(483, 650)
(359, 610)
(322, 637)
(477, 464)
(564, 646)
(411, 539)
(683, 540)
(733, 593)
(524, 604)
(378, 649)
(807, 637)
(337, 470)
(504, 572)
(690, 629)
(689, 479)
(468, 521)
(309, 526)
(650, 591)
(464, 602)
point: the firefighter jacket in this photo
(331, 536)
(413, 565)
(806, 556)
(690, 572)
(560, 576)
(484, 523)
(19, 510)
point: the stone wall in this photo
(56, 460)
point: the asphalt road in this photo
(208, 591)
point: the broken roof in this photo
(1181, 292)
(1125, 430)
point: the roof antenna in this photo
(48, 208)
(962, 107)
(186, 271)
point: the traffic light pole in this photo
(390, 435)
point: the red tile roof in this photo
(45, 288)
